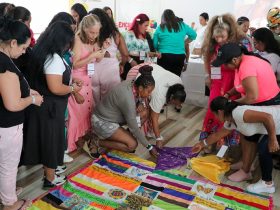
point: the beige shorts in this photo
(103, 129)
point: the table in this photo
(194, 81)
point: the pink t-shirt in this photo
(252, 66)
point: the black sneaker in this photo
(177, 109)
(58, 180)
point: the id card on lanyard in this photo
(90, 69)
(137, 101)
(216, 73)
(142, 55)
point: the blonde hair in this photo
(215, 27)
(87, 22)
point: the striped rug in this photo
(124, 181)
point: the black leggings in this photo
(172, 62)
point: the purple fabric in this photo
(172, 157)
(168, 182)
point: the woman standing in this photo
(44, 129)
(169, 40)
(84, 57)
(203, 20)
(15, 96)
(107, 71)
(268, 48)
(78, 12)
(139, 43)
(244, 24)
(220, 30)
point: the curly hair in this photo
(216, 26)
(109, 29)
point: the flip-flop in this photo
(89, 151)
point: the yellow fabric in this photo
(43, 205)
(211, 167)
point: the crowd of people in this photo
(83, 83)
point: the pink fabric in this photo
(252, 66)
(79, 114)
(10, 150)
(106, 75)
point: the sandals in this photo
(89, 150)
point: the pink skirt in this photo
(79, 122)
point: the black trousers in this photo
(172, 62)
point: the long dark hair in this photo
(55, 39)
(224, 104)
(266, 36)
(19, 13)
(63, 16)
(108, 28)
(138, 20)
(13, 29)
(176, 92)
(145, 79)
(81, 10)
(170, 21)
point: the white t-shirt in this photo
(249, 129)
(200, 37)
(163, 79)
(54, 65)
(274, 60)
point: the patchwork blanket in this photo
(124, 181)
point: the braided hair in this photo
(176, 92)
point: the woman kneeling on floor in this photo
(249, 120)
(124, 106)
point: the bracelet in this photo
(130, 60)
(72, 88)
(204, 142)
(149, 147)
(160, 138)
(33, 99)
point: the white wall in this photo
(43, 10)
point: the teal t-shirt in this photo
(173, 42)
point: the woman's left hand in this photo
(154, 152)
(34, 92)
(79, 82)
(273, 145)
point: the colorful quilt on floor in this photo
(125, 181)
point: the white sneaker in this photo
(67, 158)
(261, 187)
(60, 169)
(150, 135)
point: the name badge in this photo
(222, 151)
(142, 55)
(138, 119)
(216, 73)
(90, 69)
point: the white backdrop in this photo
(125, 10)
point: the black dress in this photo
(44, 137)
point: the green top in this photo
(173, 42)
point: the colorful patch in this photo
(117, 194)
(147, 193)
(203, 190)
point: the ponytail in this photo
(176, 92)
(224, 104)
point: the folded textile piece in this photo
(172, 157)
(210, 167)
